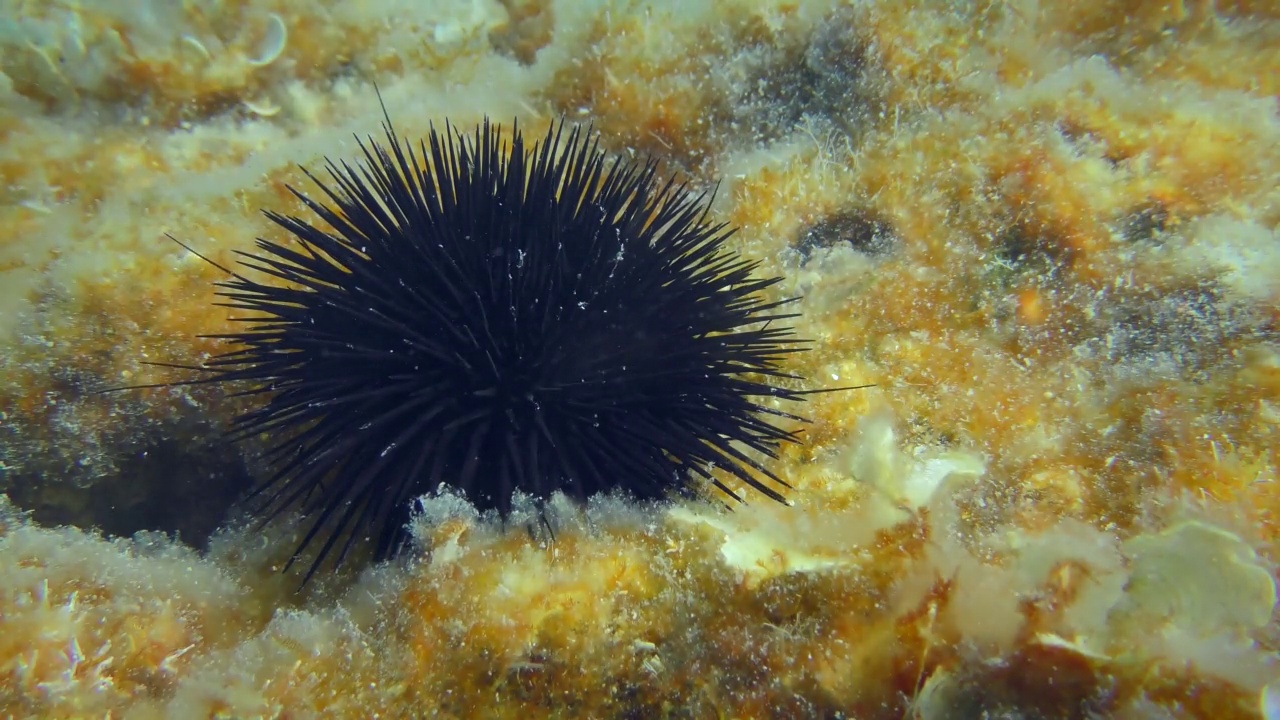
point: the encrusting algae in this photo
(1047, 233)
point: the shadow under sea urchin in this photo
(531, 319)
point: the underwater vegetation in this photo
(1045, 233)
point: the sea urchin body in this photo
(532, 319)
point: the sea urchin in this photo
(533, 318)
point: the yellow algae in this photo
(1231, 593)
(92, 627)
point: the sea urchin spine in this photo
(532, 319)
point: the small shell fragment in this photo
(262, 108)
(193, 42)
(1269, 702)
(273, 43)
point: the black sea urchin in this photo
(534, 319)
